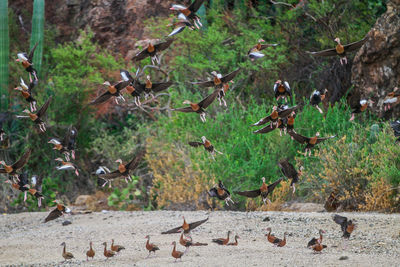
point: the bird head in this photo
(337, 40)
(237, 237)
(62, 244)
(229, 232)
(107, 83)
(104, 244)
(147, 236)
(278, 81)
(26, 111)
(19, 88)
(261, 40)
(90, 243)
(321, 231)
(274, 108)
(363, 101)
(119, 161)
(268, 229)
(204, 139)
(214, 73)
(187, 102)
(317, 134)
(173, 243)
(2, 163)
(112, 240)
(263, 179)
(285, 233)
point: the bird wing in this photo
(286, 112)
(43, 109)
(266, 129)
(209, 99)
(204, 83)
(111, 175)
(30, 57)
(163, 45)
(196, 224)
(141, 55)
(195, 144)
(135, 161)
(177, 30)
(213, 192)
(263, 46)
(31, 85)
(158, 87)
(312, 242)
(38, 185)
(121, 85)
(287, 87)
(276, 85)
(172, 231)
(195, 5)
(252, 193)
(229, 77)
(340, 219)
(23, 179)
(396, 127)
(299, 138)
(186, 109)
(23, 160)
(54, 214)
(139, 87)
(262, 121)
(355, 45)
(319, 140)
(125, 75)
(272, 186)
(287, 168)
(324, 53)
(102, 98)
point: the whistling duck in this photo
(391, 100)
(396, 129)
(113, 90)
(180, 25)
(199, 107)
(282, 90)
(332, 203)
(107, 253)
(277, 112)
(175, 253)
(150, 87)
(340, 50)
(123, 169)
(12, 169)
(314, 241)
(57, 212)
(26, 61)
(360, 107)
(290, 172)
(222, 241)
(187, 243)
(207, 146)
(219, 82)
(22, 184)
(116, 248)
(254, 52)
(36, 189)
(150, 246)
(316, 97)
(346, 225)
(310, 141)
(37, 117)
(219, 191)
(276, 241)
(66, 165)
(263, 191)
(234, 243)
(318, 247)
(152, 50)
(186, 227)
(67, 144)
(190, 12)
(90, 253)
(272, 126)
(66, 255)
(26, 92)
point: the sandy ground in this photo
(25, 240)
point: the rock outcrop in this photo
(376, 67)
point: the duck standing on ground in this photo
(116, 248)
(90, 253)
(219, 191)
(222, 241)
(150, 246)
(234, 243)
(263, 191)
(107, 253)
(175, 253)
(188, 242)
(340, 50)
(276, 241)
(314, 240)
(66, 255)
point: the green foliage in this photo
(4, 55)
(37, 34)
(122, 198)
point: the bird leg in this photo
(73, 154)
(39, 202)
(219, 152)
(280, 132)
(294, 188)
(116, 100)
(198, 20)
(25, 195)
(320, 111)
(219, 99)
(76, 172)
(352, 117)
(66, 154)
(212, 156)
(203, 117)
(34, 74)
(30, 77)
(223, 100)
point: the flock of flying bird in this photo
(282, 116)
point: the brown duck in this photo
(116, 248)
(310, 141)
(27, 62)
(340, 50)
(254, 52)
(57, 212)
(66, 255)
(263, 191)
(188, 242)
(221, 192)
(277, 112)
(199, 107)
(67, 144)
(290, 172)
(276, 241)
(175, 253)
(90, 253)
(150, 246)
(107, 253)
(186, 227)
(314, 240)
(234, 243)
(12, 169)
(316, 98)
(282, 90)
(123, 169)
(37, 117)
(222, 241)
(190, 11)
(152, 50)
(346, 225)
(207, 146)
(360, 107)
(26, 92)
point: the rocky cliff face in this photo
(117, 24)
(376, 67)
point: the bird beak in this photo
(17, 60)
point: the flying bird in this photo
(16, 166)
(27, 62)
(221, 192)
(66, 145)
(254, 52)
(314, 240)
(263, 191)
(190, 11)
(37, 117)
(360, 107)
(207, 146)
(26, 92)
(310, 141)
(186, 227)
(347, 226)
(290, 172)
(316, 98)
(59, 211)
(152, 51)
(282, 90)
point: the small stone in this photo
(65, 223)
(343, 258)
(266, 219)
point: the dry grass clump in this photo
(178, 181)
